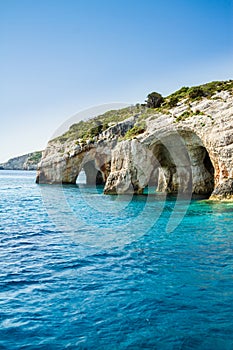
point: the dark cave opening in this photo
(90, 175)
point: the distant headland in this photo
(27, 161)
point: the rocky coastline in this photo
(27, 161)
(181, 147)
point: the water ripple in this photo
(157, 291)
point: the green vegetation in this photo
(197, 92)
(35, 157)
(184, 116)
(138, 129)
(154, 100)
(177, 96)
(189, 113)
(92, 127)
(172, 101)
(155, 104)
(198, 112)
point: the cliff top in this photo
(90, 129)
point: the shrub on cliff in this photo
(154, 100)
(136, 130)
(35, 157)
(195, 92)
(173, 100)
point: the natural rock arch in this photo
(94, 176)
(172, 161)
(65, 169)
(204, 125)
(183, 165)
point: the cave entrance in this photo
(202, 171)
(182, 164)
(81, 179)
(163, 175)
(90, 175)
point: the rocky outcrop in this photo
(26, 162)
(188, 149)
(223, 191)
(131, 166)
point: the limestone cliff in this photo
(185, 146)
(25, 162)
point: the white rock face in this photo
(25, 162)
(194, 155)
(131, 167)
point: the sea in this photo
(83, 270)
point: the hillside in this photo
(90, 129)
(25, 162)
(183, 145)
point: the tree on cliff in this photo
(154, 100)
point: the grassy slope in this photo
(35, 157)
(89, 129)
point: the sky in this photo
(61, 57)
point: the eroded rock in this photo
(194, 155)
(131, 168)
(223, 191)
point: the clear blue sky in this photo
(62, 56)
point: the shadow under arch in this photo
(92, 175)
(183, 163)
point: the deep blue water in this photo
(80, 270)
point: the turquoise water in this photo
(80, 270)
